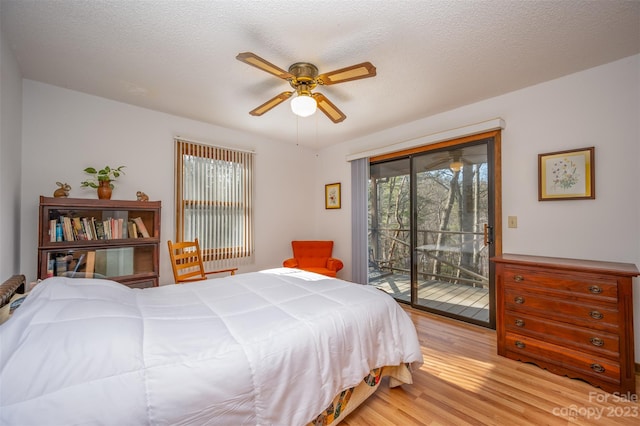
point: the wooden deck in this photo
(458, 299)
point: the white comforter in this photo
(265, 348)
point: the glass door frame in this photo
(487, 142)
(495, 207)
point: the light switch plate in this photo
(512, 221)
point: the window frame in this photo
(241, 235)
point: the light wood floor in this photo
(464, 382)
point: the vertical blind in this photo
(214, 191)
(359, 220)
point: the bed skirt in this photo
(348, 400)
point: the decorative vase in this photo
(104, 190)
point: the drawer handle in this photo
(519, 300)
(594, 289)
(520, 323)
(596, 341)
(520, 344)
(597, 368)
(596, 315)
(518, 278)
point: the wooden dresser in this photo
(572, 317)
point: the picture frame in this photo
(332, 196)
(567, 175)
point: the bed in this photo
(275, 347)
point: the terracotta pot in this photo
(104, 190)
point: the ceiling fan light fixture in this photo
(303, 77)
(303, 105)
(455, 166)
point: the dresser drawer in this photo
(571, 312)
(575, 285)
(596, 342)
(560, 359)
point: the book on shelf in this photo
(141, 228)
(61, 265)
(116, 229)
(122, 228)
(86, 226)
(65, 236)
(133, 229)
(91, 262)
(67, 230)
(51, 263)
(78, 231)
(92, 225)
(52, 230)
(102, 229)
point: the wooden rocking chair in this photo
(186, 261)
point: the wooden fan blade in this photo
(256, 61)
(271, 103)
(329, 109)
(354, 72)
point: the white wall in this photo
(65, 131)
(599, 107)
(10, 136)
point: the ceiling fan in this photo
(454, 159)
(303, 78)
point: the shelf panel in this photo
(61, 245)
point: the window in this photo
(214, 191)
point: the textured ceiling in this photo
(431, 56)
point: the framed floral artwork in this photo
(566, 175)
(332, 196)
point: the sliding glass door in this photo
(431, 222)
(390, 253)
(453, 232)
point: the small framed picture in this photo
(332, 196)
(566, 175)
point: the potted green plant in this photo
(102, 180)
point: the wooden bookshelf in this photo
(93, 238)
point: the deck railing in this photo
(454, 256)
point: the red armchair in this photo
(314, 256)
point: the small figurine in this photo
(142, 196)
(63, 191)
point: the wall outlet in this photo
(512, 221)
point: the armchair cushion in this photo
(314, 256)
(290, 263)
(334, 264)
